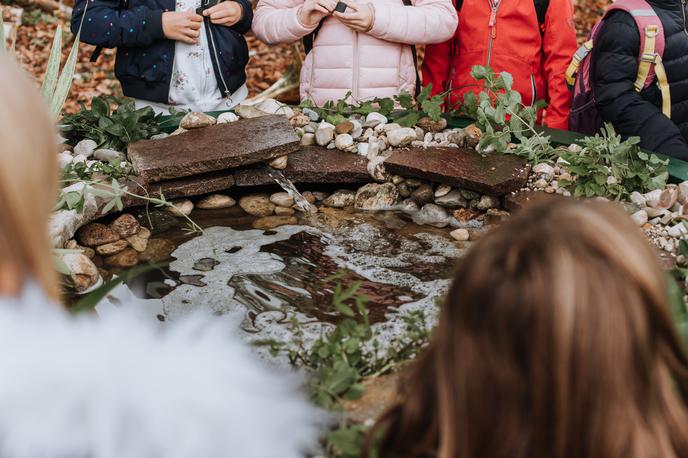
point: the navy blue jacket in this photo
(145, 57)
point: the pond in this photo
(263, 278)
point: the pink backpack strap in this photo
(644, 16)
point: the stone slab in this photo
(213, 148)
(194, 186)
(494, 174)
(524, 199)
(312, 165)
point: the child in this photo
(531, 39)
(614, 69)
(365, 50)
(116, 387)
(555, 340)
(167, 55)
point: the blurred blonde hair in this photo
(28, 177)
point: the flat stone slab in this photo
(313, 165)
(193, 186)
(213, 148)
(494, 174)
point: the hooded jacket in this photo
(614, 67)
(514, 44)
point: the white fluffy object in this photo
(82, 387)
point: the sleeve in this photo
(104, 24)
(558, 47)
(244, 24)
(614, 70)
(436, 65)
(427, 21)
(274, 22)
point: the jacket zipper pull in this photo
(493, 22)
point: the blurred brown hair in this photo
(555, 340)
(28, 177)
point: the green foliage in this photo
(347, 441)
(610, 167)
(409, 115)
(113, 129)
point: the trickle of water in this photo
(289, 187)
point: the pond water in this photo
(263, 278)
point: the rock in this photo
(216, 201)
(540, 183)
(308, 140)
(423, 195)
(160, 136)
(638, 199)
(82, 271)
(487, 202)
(79, 158)
(386, 128)
(310, 197)
(662, 198)
(677, 231)
(272, 222)
(223, 147)
(176, 132)
(432, 215)
(282, 199)
(462, 235)
(457, 137)
(64, 160)
(325, 134)
(125, 225)
(180, 208)
(473, 134)
(194, 186)
(442, 190)
(96, 234)
(85, 148)
(300, 120)
(343, 141)
(376, 196)
(363, 149)
(414, 182)
(312, 114)
(196, 120)
(108, 155)
(453, 199)
(345, 127)
(341, 199)
(227, 117)
(401, 137)
(158, 250)
(683, 192)
(284, 211)
(279, 163)
(544, 170)
(640, 218)
(205, 264)
(409, 206)
(404, 190)
(272, 106)
(249, 112)
(139, 241)
(126, 258)
(464, 215)
(374, 119)
(257, 205)
(428, 124)
(112, 248)
(357, 131)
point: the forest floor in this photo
(267, 64)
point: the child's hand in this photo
(225, 13)
(314, 11)
(361, 19)
(184, 26)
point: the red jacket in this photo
(513, 44)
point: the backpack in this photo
(585, 116)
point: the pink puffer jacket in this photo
(375, 64)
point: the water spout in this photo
(289, 187)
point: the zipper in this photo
(354, 85)
(683, 10)
(492, 24)
(533, 90)
(226, 92)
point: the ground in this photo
(267, 63)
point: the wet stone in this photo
(375, 196)
(215, 201)
(193, 186)
(83, 272)
(282, 199)
(205, 264)
(193, 280)
(432, 215)
(284, 211)
(125, 225)
(112, 248)
(423, 195)
(257, 205)
(158, 250)
(126, 258)
(495, 174)
(96, 234)
(271, 222)
(139, 241)
(453, 199)
(341, 199)
(215, 148)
